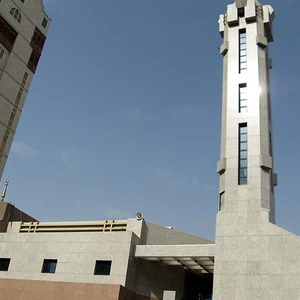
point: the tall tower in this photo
(252, 253)
(23, 29)
(246, 164)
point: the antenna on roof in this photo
(4, 190)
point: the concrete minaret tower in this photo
(251, 252)
(246, 164)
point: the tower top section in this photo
(249, 10)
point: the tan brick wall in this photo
(12, 289)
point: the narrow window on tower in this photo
(242, 51)
(269, 106)
(271, 181)
(221, 201)
(243, 154)
(241, 12)
(242, 98)
(270, 145)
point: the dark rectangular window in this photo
(38, 40)
(1, 52)
(221, 201)
(7, 34)
(269, 106)
(33, 60)
(271, 181)
(37, 44)
(4, 264)
(49, 266)
(270, 144)
(242, 51)
(102, 267)
(243, 154)
(241, 12)
(243, 98)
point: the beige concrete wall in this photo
(263, 262)
(76, 253)
(152, 278)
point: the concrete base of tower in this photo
(256, 261)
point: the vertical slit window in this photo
(271, 181)
(241, 12)
(243, 98)
(242, 51)
(221, 201)
(243, 154)
(269, 106)
(1, 52)
(270, 145)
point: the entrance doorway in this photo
(198, 287)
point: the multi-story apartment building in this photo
(23, 29)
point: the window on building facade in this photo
(102, 267)
(269, 106)
(241, 12)
(242, 51)
(4, 264)
(243, 98)
(33, 60)
(45, 22)
(49, 266)
(270, 144)
(16, 14)
(271, 181)
(7, 34)
(1, 52)
(243, 154)
(38, 40)
(37, 44)
(221, 201)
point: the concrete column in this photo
(170, 295)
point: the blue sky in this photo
(124, 114)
